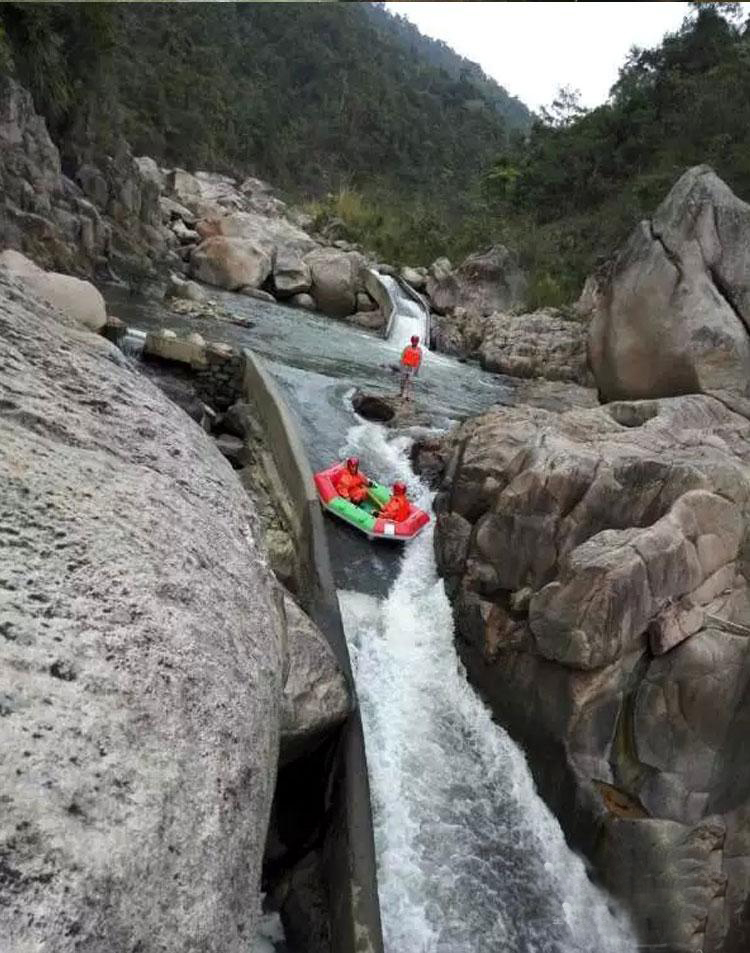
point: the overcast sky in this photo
(533, 48)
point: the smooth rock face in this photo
(673, 316)
(336, 279)
(484, 282)
(141, 673)
(230, 263)
(77, 299)
(596, 561)
(316, 695)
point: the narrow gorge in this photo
(231, 723)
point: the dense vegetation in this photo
(571, 194)
(414, 148)
(310, 96)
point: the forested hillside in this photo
(571, 194)
(308, 95)
(354, 111)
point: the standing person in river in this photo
(411, 360)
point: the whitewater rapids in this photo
(470, 860)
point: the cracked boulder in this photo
(230, 263)
(673, 315)
(597, 564)
(486, 281)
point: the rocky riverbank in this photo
(153, 666)
(167, 231)
(597, 563)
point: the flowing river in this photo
(470, 860)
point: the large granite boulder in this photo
(77, 299)
(416, 277)
(142, 658)
(269, 234)
(291, 275)
(140, 752)
(596, 560)
(316, 696)
(459, 333)
(230, 263)
(673, 315)
(336, 276)
(545, 344)
(182, 186)
(486, 281)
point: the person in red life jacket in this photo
(397, 508)
(411, 359)
(351, 484)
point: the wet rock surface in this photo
(596, 560)
(390, 409)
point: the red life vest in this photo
(411, 356)
(396, 509)
(352, 486)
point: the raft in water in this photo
(363, 516)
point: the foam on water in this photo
(470, 860)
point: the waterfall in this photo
(133, 342)
(409, 318)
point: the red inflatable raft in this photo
(364, 516)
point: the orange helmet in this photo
(352, 464)
(414, 340)
(399, 489)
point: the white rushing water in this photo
(470, 860)
(410, 318)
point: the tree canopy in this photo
(411, 145)
(584, 178)
(311, 96)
